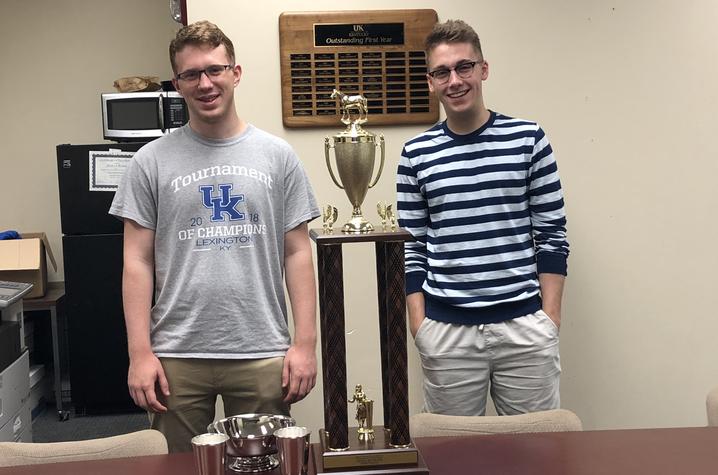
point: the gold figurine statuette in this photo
(354, 150)
(391, 217)
(386, 214)
(365, 409)
(349, 104)
(329, 217)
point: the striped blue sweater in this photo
(486, 211)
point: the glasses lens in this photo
(215, 69)
(190, 75)
(442, 75)
(465, 70)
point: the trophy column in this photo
(392, 446)
(333, 341)
(392, 334)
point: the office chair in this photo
(556, 420)
(143, 442)
(712, 407)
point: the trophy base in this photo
(369, 458)
(357, 225)
(259, 463)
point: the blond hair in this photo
(200, 33)
(452, 31)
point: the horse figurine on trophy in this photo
(347, 104)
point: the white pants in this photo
(517, 359)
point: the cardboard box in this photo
(23, 260)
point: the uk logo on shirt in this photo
(223, 205)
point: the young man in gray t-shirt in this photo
(215, 216)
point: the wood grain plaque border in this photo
(376, 53)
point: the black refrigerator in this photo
(92, 253)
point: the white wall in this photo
(58, 57)
(626, 92)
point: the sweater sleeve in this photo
(413, 216)
(546, 206)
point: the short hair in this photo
(452, 31)
(200, 33)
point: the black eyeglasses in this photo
(463, 70)
(213, 71)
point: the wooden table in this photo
(677, 451)
(53, 297)
(682, 451)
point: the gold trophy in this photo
(365, 414)
(386, 213)
(329, 217)
(355, 150)
(375, 450)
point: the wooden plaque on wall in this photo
(376, 53)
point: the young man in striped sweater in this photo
(481, 195)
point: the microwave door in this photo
(132, 116)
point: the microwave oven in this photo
(141, 116)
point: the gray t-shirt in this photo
(219, 209)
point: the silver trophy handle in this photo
(329, 164)
(381, 164)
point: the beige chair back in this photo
(144, 442)
(712, 407)
(557, 420)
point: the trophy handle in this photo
(381, 164)
(329, 163)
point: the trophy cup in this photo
(355, 150)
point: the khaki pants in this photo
(246, 386)
(516, 361)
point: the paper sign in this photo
(107, 167)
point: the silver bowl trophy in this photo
(251, 446)
(355, 152)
